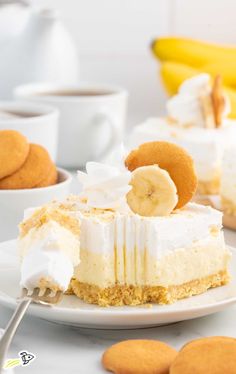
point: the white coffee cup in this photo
(38, 122)
(92, 118)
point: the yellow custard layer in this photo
(204, 257)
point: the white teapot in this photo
(13, 16)
(35, 47)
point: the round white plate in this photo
(72, 311)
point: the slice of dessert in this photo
(132, 236)
(197, 121)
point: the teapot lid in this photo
(17, 2)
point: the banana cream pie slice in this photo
(131, 237)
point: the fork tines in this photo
(46, 295)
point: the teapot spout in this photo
(49, 14)
(41, 18)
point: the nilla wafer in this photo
(50, 179)
(212, 355)
(34, 170)
(139, 357)
(14, 149)
(172, 158)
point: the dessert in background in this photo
(197, 121)
(131, 236)
(182, 58)
(24, 165)
(228, 182)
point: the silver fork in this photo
(47, 297)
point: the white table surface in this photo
(60, 349)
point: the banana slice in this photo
(153, 192)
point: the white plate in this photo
(72, 311)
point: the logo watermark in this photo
(25, 358)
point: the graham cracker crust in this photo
(47, 282)
(135, 295)
(69, 290)
(209, 188)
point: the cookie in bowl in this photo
(14, 149)
(24, 165)
(28, 178)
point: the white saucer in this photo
(72, 311)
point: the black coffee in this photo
(73, 93)
(11, 114)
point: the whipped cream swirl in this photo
(186, 107)
(104, 186)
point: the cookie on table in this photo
(139, 357)
(172, 158)
(35, 169)
(14, 149)
(212, 355)
(216, 339)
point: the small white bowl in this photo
(14, 202)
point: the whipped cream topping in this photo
(187, 106)
(49, 253)
(104, 186)
(186, 225)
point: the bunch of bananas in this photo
(182, 58)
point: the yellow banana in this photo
(225, 69)
(153, 192)
(173, 74)
(191, 52)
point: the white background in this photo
(113, 38)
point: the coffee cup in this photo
(92, 118)
(38, 122)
